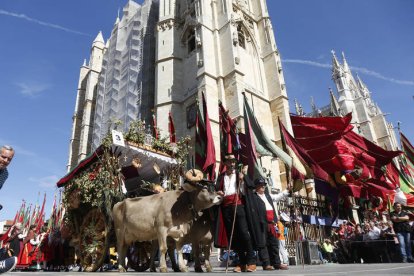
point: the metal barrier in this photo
(297, 230)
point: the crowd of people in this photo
(389, 238)
(247, 223)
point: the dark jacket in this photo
(253, 221)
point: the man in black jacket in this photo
(232, 187)
(268, 254)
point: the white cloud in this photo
(380, 76)
(307, 62)
(360, 70)
(46, 182)
(32, 90)
(50, 25)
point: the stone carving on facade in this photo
(236, 17)
(167, 25)
(248, 21)
(235, 38)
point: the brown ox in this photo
(200, 236)
(159, 216)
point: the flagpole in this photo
(234, 222)
(289, 184)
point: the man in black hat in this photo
(269, 254)
(231, 186)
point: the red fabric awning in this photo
(80, 167)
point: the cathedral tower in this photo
(222, 48)
(354, 97)
(83, 117)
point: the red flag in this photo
(304, 157)
(229, 137)
(39, 222)
(336, 148)
(5, 236)
(205, 150)
(171, 128)
(407, 148)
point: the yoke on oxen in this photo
(162, 215)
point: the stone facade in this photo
(83, 117)
(222, 48)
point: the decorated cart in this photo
(93, 187)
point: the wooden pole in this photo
(234, 220)
(289, 184)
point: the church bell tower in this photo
(222, 48)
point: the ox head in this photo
(202, 196)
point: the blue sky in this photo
(43, 44)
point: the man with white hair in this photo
(6, 156)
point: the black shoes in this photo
(8, 264)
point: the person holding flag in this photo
(231, 186)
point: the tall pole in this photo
(289, 184)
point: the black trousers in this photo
(241, 242)
(269, 255)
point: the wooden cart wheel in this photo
(94, 240)
(139, 256)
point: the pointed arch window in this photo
(191, 41)
(241, 36)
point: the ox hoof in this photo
(209, 268)
(184, 269)
(163, 269)
(198, 269)
(122, 269)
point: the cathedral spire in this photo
(335, 109)
(98, 39)
(299, 109)
(345, 64)
(313, 105)
(336, 67)
(360, 83)
(117, 18)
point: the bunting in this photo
(204, 149)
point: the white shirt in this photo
(275, 198)
(266, 202)
(230, 184)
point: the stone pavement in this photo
(325, 269)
